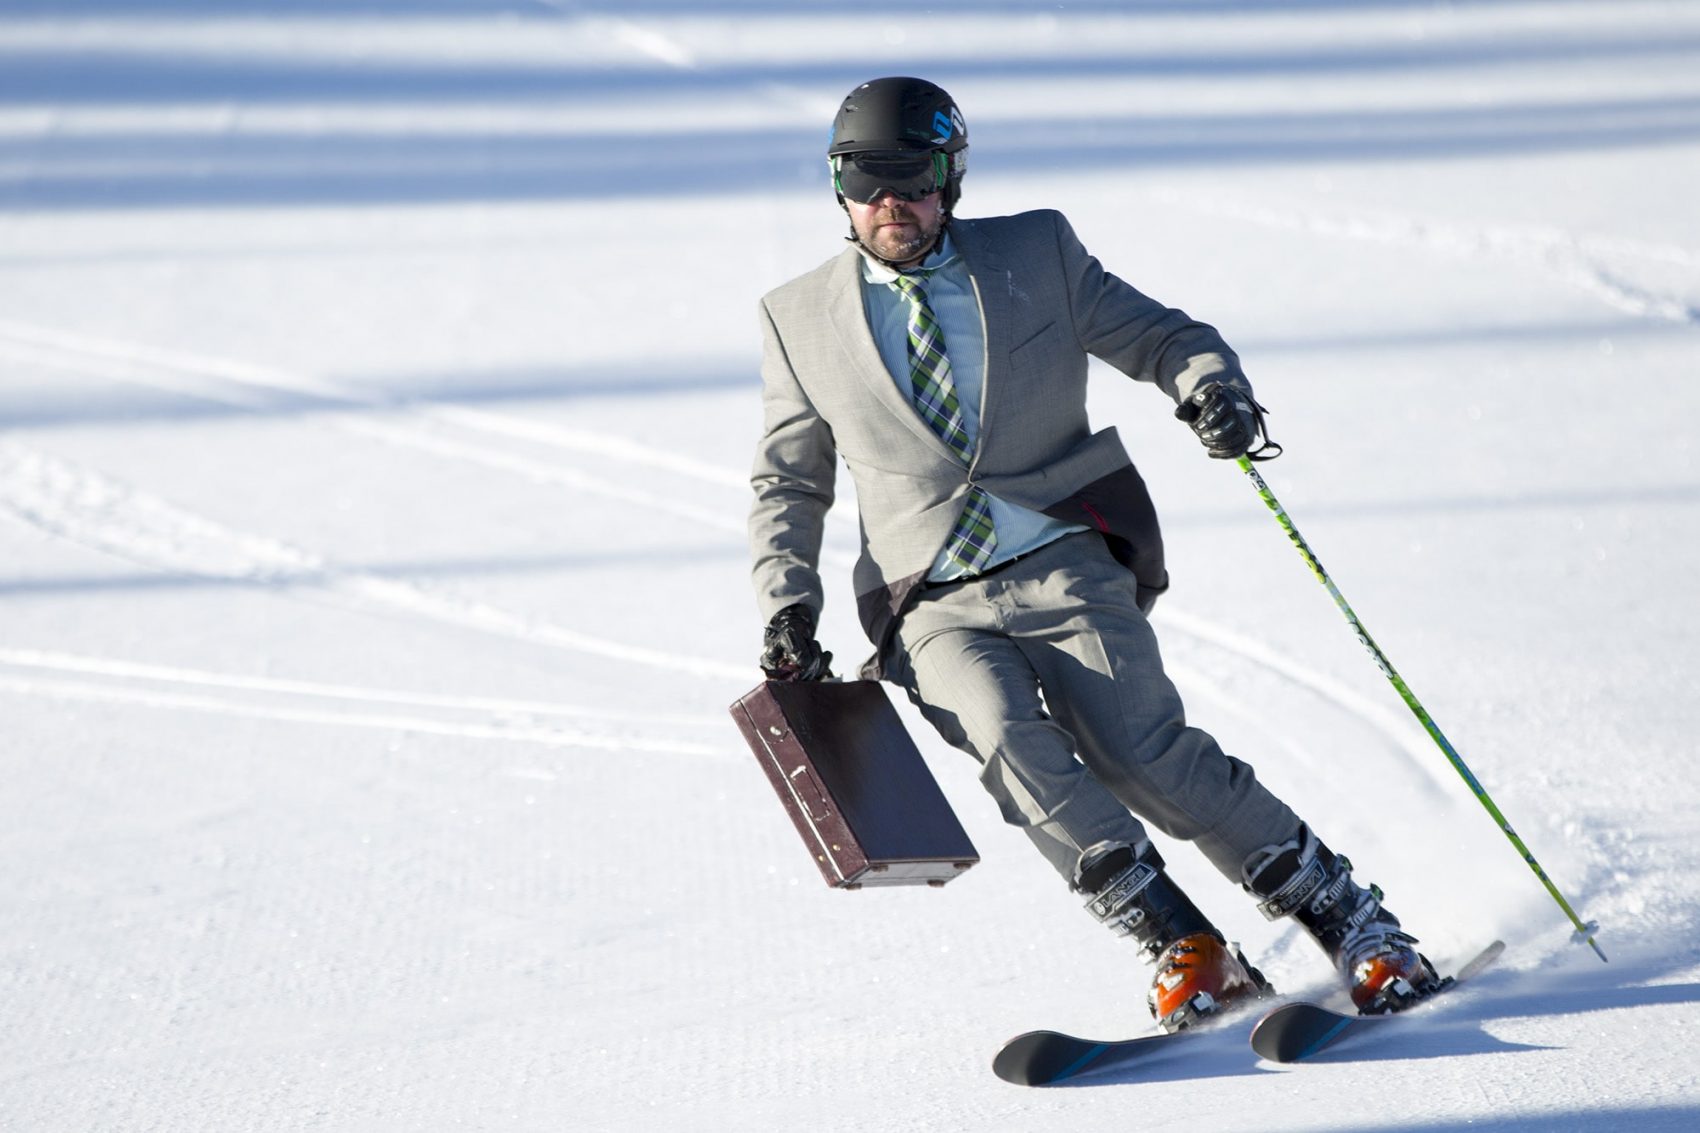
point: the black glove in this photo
(1228, 421)
(790, 651)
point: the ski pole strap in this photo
(1584, 930)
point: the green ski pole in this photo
(1584, 930)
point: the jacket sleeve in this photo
(1136, 334)
(795, 467)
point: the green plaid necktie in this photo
(972, 541)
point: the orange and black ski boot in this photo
(1382, 970)
(1197, 972)
(1306, 880)
(1197, 976)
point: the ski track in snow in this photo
(430, 427)
(96, 511)
(247, 386)
(1401, 733)
(1581, 261)
(414, 425)
(549, 735)
(73, 677)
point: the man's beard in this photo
(893, 248)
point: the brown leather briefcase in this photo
(864, 801)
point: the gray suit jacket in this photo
(1046, 305)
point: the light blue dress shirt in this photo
(950, 293)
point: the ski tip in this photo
(1013, 1070)
(1044, 1058)
(1295, 1031)
(1481, 960)
(1015, 1062)
(1049, 1058)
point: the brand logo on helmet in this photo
(946, 126)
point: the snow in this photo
(377, 386)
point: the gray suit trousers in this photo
(1048, 674)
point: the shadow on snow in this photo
(46, 404)
(98, 164)
(263, 169)
(878, 9)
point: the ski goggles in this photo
(862, 177)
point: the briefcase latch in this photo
(809, 793)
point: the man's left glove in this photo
(790, 651)
(1229, 422)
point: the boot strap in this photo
(1117, 905)
(1312, 890)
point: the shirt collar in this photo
(875, 272)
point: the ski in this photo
(1296, 1031)
(1044, 1058)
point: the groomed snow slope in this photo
(377, 385)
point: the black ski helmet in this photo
(900, 113)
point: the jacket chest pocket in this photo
(1034, 347)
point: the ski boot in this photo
(1306, 880)
(1198, 972)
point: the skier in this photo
(1010, 554)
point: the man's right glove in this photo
(790, 651)
(1228, 421)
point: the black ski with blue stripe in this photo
(1289, 1033)
(1045, 1058)
(1296, 1031)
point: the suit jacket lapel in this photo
(850, 321)
(992, 285)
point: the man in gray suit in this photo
(1010, 554)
